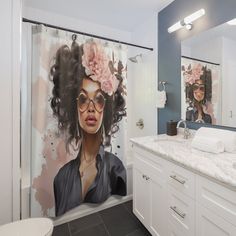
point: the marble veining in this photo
(221, 167)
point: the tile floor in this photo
(115, 221)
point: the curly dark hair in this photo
(67, 74)
(206, 77)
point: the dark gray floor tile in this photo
(84, 223)
(144, 230)
(139, 232)
(129, 206)
(61, 230)
(98, 230)
(118, 222)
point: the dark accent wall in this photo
(169, 48)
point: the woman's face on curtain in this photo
(199, 90)
(90, 105)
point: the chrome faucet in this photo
(186, 130)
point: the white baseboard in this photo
(88, 208)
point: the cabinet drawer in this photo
(181, 179)
(150, 169)
(208, 223)
(181, 212)
(219, 199)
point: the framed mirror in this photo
(208, 76)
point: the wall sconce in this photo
(187, 21)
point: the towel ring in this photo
(163, 83)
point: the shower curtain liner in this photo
(55, 192)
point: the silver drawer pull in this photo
(177, 179)
(147, 178)
(174, 208)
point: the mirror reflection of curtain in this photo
(191, 72)
(48, 151)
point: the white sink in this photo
(173, 144)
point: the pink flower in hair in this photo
(197, 71)
(110, 84)
(96, 62)
(192, 74)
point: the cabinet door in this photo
(208, 223)
(158, 206)
(172, 230)
(149, 195)
(140, 196)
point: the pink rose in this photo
(94, 59)
(96, 66)
(106, 86)
(197, 71)
(109, 84)
(191, 75)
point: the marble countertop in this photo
(221, 167)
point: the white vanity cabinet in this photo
(216, 209)
(209, 223)
(173, 201)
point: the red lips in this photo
(90, 120)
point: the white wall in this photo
(75, 24)
(207, 51)
(10, 107)
(143, 86)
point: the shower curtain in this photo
(49, 152)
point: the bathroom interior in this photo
(172, 162)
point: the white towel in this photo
(227, 137)
(161, 99)
(206, 144)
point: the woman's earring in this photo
(103, 134)
(78, 131)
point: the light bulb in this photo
(175, 27)
(194, 16)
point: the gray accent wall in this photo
(169, 48)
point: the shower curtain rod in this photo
(192, 58)
(83, 33)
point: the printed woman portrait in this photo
(88, 102)
(198, 89)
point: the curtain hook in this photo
(163, 83)
(106, 44)
(74, 37)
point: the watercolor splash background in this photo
(48, 152)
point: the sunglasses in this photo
(201, 87)
(98, 101)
